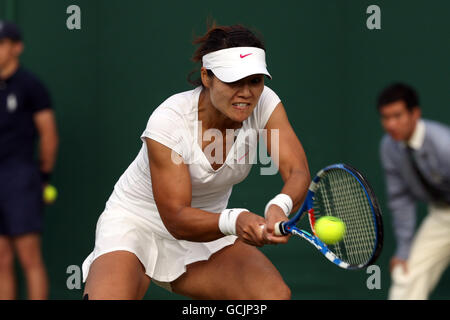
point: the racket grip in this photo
(279, 229)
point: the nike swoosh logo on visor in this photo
(245, 55)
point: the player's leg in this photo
(7, 274)
(429, 257)
(118, 275)
(238, 271)
(29, 252)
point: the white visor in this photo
(233, 64)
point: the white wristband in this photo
(227, 221)
(283, 201)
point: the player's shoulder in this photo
(268, 93)
(268, 100)
(268, 90)
(266, 104)
(184, 96)
(178, 107)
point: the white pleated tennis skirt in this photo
(164, 258)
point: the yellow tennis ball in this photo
(50, 194)
(330, 229)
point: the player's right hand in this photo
(249, 228)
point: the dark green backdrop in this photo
(327, 67)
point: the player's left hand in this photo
(274, 215)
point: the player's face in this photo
(398, 121)
(236, 100)
(9, 51)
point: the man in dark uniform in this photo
(25, 115)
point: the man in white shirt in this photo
(416, 159)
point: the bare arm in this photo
(292, 164)
(48, 139)
(172, 191)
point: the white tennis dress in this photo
(131, 220)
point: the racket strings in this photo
(342, 196)
(355, 247)
(355, 243)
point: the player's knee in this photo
(282, 292)
(276, 291)
(288, 293)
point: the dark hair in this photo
(222, 37)
(398, 92)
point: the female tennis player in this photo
(167, 219)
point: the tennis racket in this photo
(341, 191)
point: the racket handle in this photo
(279, 229)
